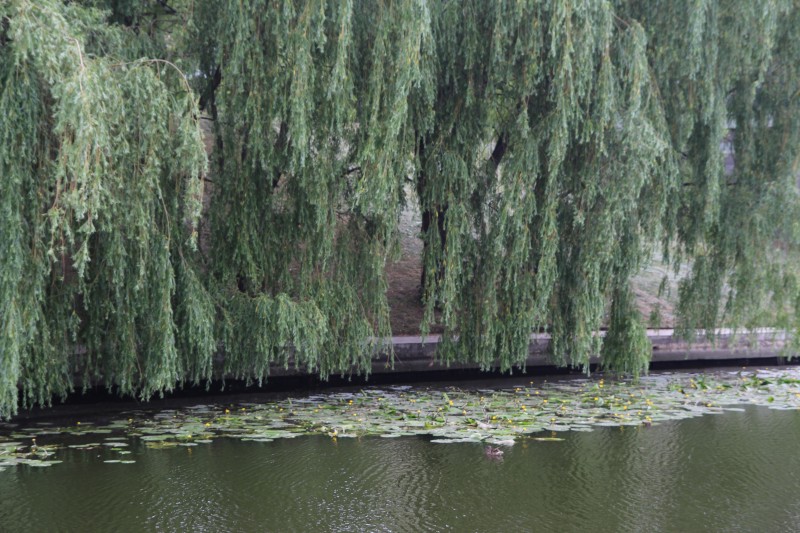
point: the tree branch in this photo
(499, 151)
(168, 8)
(209, 92)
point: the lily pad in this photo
(156, 438)
(36, 462)
(448, 415)
(160, 445)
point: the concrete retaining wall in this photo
(415, 354)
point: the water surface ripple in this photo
(737, 471)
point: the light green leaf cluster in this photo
(731, 82)
(549, 167)
(314, 143)
(101, 160)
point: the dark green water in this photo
(739, 471)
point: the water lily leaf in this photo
(156, 438)
(500, 442)
(39, 464)
(161, 445)
(446, 415)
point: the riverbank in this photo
(417, 354)
(415, 363)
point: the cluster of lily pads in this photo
(451, 415)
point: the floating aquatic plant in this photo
(493, 417)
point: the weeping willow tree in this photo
(552, 145)
(731, 77)
(314, 133)
(548, 169)
(100, 160)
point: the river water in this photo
(737, 471)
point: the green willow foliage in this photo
(552, 145)
(100, 160)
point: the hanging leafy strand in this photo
(100, 159)
(731, 80)
(551, 144)
(548, 169)
(314, 136)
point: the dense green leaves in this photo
(731, 81)
(550, 145)
(100, 160)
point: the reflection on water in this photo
(737, 471)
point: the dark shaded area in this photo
(97, 401)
